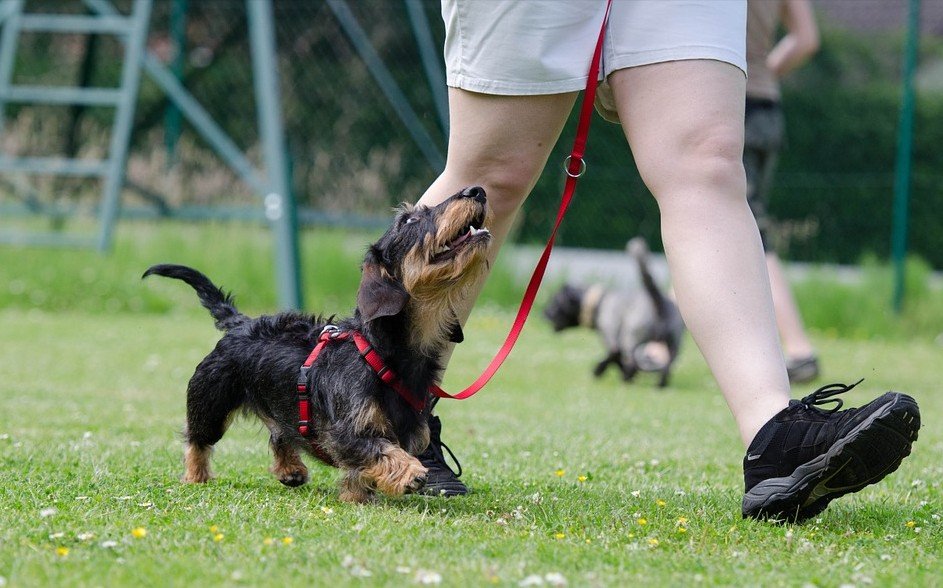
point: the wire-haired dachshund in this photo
(369, 422)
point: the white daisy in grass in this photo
(428, 577)
(555, 579)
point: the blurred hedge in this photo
(350, 153)
(833, 192)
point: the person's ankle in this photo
(760, 416)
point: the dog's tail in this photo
(638, 248)
(219, 303)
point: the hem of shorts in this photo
(510, 88)
(689, 53)
(515, 88)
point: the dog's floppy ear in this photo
(379, 294)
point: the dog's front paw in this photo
(417, 484)
(397, 473)
(356, 489)
(408, 480)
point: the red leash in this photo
(575, 165)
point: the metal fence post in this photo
(173, 120)
(279, 203)
(903, 163)
(431, 61)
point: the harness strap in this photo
(387, 376)
(369, 354)
(574, 165)
(304, 396)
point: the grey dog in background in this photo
(626, 320)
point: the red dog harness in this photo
(332, 334)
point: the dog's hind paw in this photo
(294, 479)
(196, 477)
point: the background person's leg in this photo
(763, 138)
(684, 122)
(796, 343)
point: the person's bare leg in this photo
(796, 344)
(500, 143)
(684, 122)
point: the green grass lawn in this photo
(591, 482)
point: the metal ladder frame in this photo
(271, 184)
(132, 30)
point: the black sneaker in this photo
(805, 457)
(803, 369)
(441, 479)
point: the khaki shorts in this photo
(528, 47)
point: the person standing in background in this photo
(767, 63)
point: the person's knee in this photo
(507, 183)
(709, 159)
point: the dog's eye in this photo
(412, 219)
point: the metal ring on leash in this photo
(330, 331)
(566, 167)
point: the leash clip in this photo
(329, 332)
(566, 167)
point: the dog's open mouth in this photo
(471, 235)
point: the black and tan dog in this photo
(627, 321)
(412, 278)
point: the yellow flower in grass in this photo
(682, 529)
(559, 535)
(62, 551)
(653, 542)
(139, 532)
(214, 529)
(287, 540)
(218, 537)
(581, 478)
(661, 503)
(642, 521)
(560, 473)
(910, 524)
(682, 521)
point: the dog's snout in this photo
(476, 192)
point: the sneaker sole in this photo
(848, 465)
(444, 491)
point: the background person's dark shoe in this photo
(441, 479)
(805, 457)
(802, 369)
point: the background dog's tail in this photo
(638, 248)
(219, 303)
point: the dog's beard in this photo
(436, 289)
(460, 227)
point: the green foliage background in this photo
(352, 158)
(833, 192)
